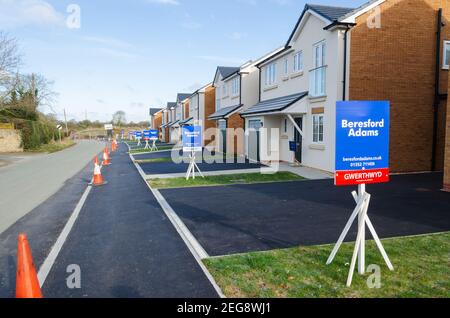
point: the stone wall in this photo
(10, 141)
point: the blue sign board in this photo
(138, 134)
(362, 142)
(292, 146)
(192, 138)
(154, 134)
(146, 134)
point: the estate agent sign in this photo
(362, 142)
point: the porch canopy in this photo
(277, 105)
(173, 124)
(186, 121)
(224, 113)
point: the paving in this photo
(243, 218)
(30, 180)
(125, 245)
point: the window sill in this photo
(235, 96)
(317, 147)
(317, 99)
(225, 97)
(297, 74)
(285, 78)
(271, 87)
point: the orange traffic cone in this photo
(98, 178)
(27, 284)
(106, 160)
(114, 146)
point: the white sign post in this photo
(362, 157)
(192, 142)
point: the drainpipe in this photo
(344, 81)
(436, 89)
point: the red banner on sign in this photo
(355, 177)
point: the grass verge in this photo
(135, 151)
(421, 270)
(53, 146)
(243, 178)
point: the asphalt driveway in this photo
(243, 218)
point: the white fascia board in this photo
(277, 57)
(354, 15)
(304, 21)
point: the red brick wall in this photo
(210, 108)
(186, 110)
(235, 140)
(397, 62)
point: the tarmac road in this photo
(27, 183)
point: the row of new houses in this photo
(396, 50)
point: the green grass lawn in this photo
(53, 146)
(207, 158)
(243, 178)
(141, 150)
(422, 269)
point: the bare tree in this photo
(10, 59)
(119, 118)
(39, 89)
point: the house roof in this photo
(274, 105)
(330, 13)
(224, 112)
(226, 71)
(154, 111)
(182, 96)
(171, 105)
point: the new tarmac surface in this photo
(122, 241)
(26, 184)
(242, 218)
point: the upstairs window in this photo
(218, 99)
(235, 86)
(225, 90)
(298, 62)
(286, 66)
(271, 74)
(319, 54)
(446, 59)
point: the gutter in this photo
(437, 96)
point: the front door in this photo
(254, 139)
(298, 139)
(223, 136)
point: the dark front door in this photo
(298, 139)
(223, 136)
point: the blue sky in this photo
(132, 54)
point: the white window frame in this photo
(446, 55)
(313, 118)
(225, 90)
(319, 61)
(286, 66)
(235, 86)
(271, 74)
(218, 99)
(298, 62)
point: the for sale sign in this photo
(154, 134)
(138, 134)
(192, 138)
(362, 142)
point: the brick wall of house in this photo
(447, 147)
(397, 62)
(157, 122)
(235, 137)
(210, 108)
(186, 109)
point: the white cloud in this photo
(18, 13)
(165, 2)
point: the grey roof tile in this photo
(274, 105)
